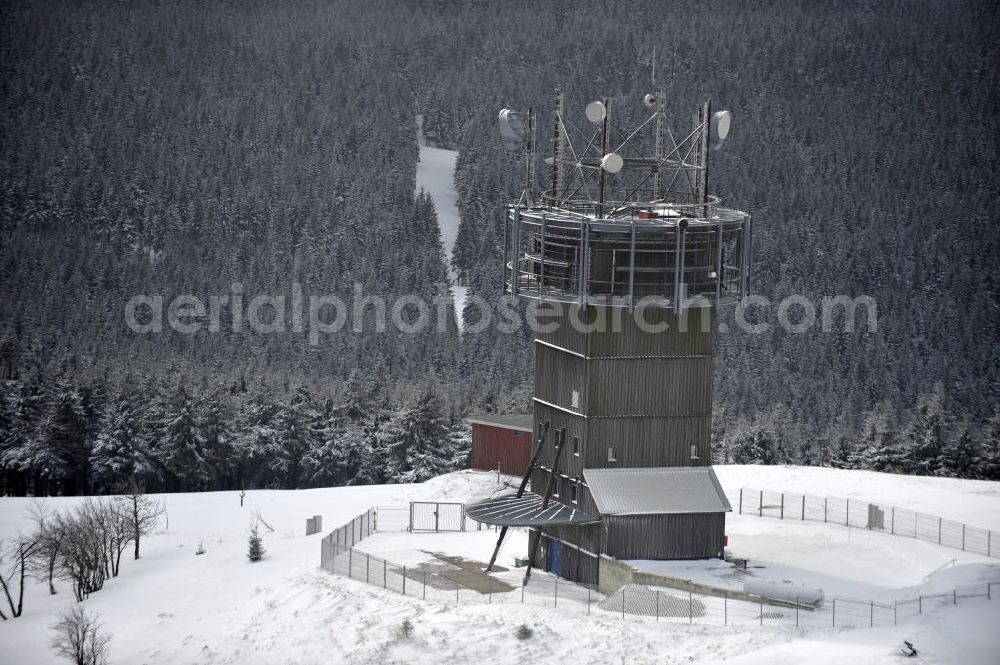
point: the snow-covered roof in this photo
(656, 491)
(523, 422)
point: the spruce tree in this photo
(417, 443)
(121, 450)
(927, 436)
(255, 545)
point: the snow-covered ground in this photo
(436, 176)
(172, 606)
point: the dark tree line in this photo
(67, 439)
(169, 148)
(929, 442)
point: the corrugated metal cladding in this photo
(575, 565)
(687, 334)
(649, 387)
(510, 448)
(613, 332)
(660, 491)
(649, 441)
(570, 464)
(680, 536)
(560, 378)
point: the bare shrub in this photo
(78, 637)
(15, 561)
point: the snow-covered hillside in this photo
(172, 606)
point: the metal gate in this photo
(434, 516)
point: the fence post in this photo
(404, 580)
(522, 593)
(954, 596)
(871, 613)
(939, 529)
(796, 611)
(760, 505)
(826, 501)
(555, 594)
(725, 608)
(892, 521)
(741, 501)
(989, 589)
(350, 563)
(894, 612)
(963, 536)
(920, 604)
(761, 610)
(410, 528)
(782, 513)
(803, 507)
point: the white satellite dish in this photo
(719, 128)
(595, 112)
(513, 127)
(649, 100)
(612, 162)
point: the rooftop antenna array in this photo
(624, 185)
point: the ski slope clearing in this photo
(436, 176)
(172, 606)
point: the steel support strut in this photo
(543, 432)
(549, 487)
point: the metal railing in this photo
(868, 515)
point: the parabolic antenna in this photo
(595, 112)
(513, 127)
(649, 100)
(719, 128)
(612, 162)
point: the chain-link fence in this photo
(866, 515)
(443, 584)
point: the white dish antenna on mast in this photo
(595, 112)
(513, 128)
(612, 162)
(719, 128)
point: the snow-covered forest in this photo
(182, 148)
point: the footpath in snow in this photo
(436, 176)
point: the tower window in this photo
(573, 488)
(576, 446)
(694, 451)
(612, 455)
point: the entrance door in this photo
(555, 556)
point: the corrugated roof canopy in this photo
(527, 510)
(659, 490)
(518, 421)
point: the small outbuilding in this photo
(503, 440)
